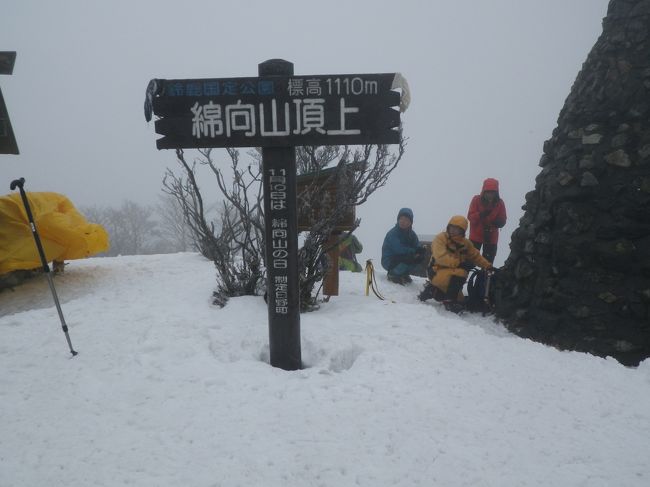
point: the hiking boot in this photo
(427, 292)
(406, 279)
(453, 306)
(454, 287)
(395, 279)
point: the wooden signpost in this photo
(8, 143)
(278, 111)
(324, 207)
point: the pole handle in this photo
(17, 182)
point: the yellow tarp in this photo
(65, 233)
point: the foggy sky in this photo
(487, 78)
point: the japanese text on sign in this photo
(279, 239)
(212, 119)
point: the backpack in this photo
(476, 287)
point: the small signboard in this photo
(7, 60)
(8, 143)
(310, 213)
(277, 111)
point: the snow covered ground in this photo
(168, 390)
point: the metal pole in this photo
(281, 235)
(46, 268)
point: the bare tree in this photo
(131, 229)
(235, 244)
(237, 248)
(174, 230)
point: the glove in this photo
(419, 252)
(430, 272)
(484, 213)
(467, 265)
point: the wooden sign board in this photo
(8, 143)
(309, 215)
(7, 60)
(276, 111)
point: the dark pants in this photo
(402, 265)
(489, 250)
(455, 286)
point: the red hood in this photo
(490, 184)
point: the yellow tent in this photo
(65, 233)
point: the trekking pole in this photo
(46, 268)
(486, 296)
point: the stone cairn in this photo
(578, 275)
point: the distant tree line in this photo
(136, 229)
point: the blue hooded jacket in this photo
(398, 241)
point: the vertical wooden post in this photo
(281, 234)
(331, 281)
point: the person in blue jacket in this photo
(401, 250)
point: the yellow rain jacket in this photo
(64, 232)
(450, 253)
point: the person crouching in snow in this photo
(487, 214)
(348, 247)
(452, 256)
(401, 250)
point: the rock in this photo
(521, 313)
(624, 247)
(619, 140)
(587, 162)
(623, 346)
(592, 139)
(564, 178)
(608, 297)
(645, 185)
(523, 270)
(544, 160)
(618, 158)
(579, 311)
(529, 247)
(588, 179)
(644, 152)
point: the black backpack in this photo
(476, 291)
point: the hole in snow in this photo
(344, 359)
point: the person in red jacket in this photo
(487, 213)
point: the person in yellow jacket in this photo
(452, 256)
